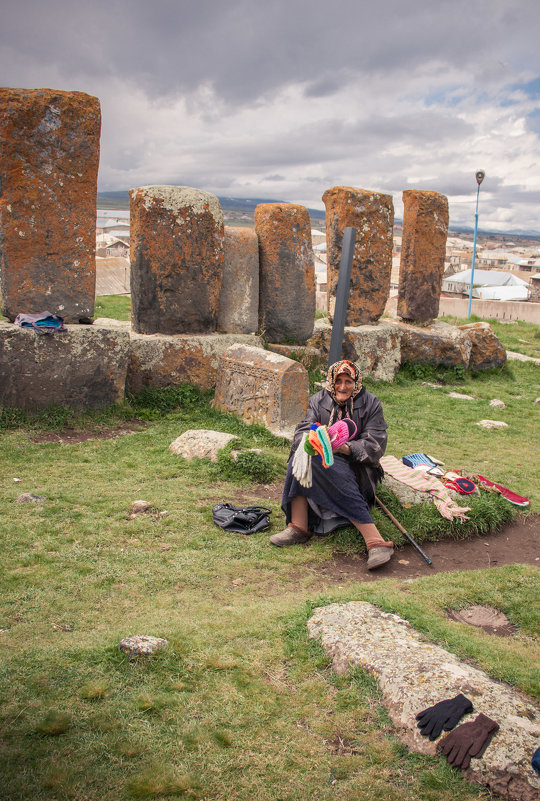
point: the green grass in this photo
(117, 307)
(242, 704)
(515, 335)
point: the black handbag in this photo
(242, 519)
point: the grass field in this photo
(242, 704)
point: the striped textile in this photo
(419, 480)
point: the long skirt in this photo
(334, 498)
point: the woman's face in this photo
(344, 386)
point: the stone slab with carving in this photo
(176, 259)
(372, 215)
(376, 348)
(423, 251)
(84, 367)
(262, 387)
(158, 360)
(48, 180)
(487, 351)
(287, 273)
(414, 674)
(200, 443)
(239, 293)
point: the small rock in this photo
(17, 479)
(236, 454)
(142, 644)
(460, 396)
(200, 444)
(498, 404)
(492, 424)
(139, 506)
(537, 400)
(403, 562)
(433, 386)
(29, 497)
(238, 582)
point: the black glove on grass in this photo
(468, 740)
(444, 715)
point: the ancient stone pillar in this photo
(49, 156)
(423, 249)
(176, 260)
(239, 296)
(372, 215)
(287, 272)
(262, 387)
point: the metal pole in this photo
(480, 175)
(342, 294)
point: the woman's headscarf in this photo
(353, 371)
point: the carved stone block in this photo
(262, 387)
(239, 295)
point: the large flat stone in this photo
(414, 674)
(262, 387)
(48, 179)
(439, 343)
(85, 367)
(376, 348)
(158, 360)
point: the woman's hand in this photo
(344, 449)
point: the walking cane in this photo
(400, 527)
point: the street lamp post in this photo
(480, 175)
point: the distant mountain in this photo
(120, 200)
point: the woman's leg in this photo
(299, 512)
(379, 550)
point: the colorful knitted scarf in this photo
(419, 480)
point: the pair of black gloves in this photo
(468, 740)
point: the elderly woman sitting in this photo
(341, 494)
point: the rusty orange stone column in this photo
(423, 249)
(239, 295)
(49, 157)
(287, 272)
(176, 260)
(372, 215)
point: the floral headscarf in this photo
(353, 371)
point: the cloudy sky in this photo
(283, 99)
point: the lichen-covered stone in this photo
(487, 351)
(262, 387)
(287, 272)
(200, 443)
(239, 294)
(176, 259)
(158, 360)
(414, 674)
(423, 250)
(49, 156)
(439, 343)
(142, 645)
(372, 215)
(376, 348)
(84, 367)
(310, 357)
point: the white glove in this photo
(301, 465)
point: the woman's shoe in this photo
(379, 555)
(292, 535)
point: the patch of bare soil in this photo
(517, 543)
(491, 620)
(70, 436)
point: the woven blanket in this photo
(419, 480)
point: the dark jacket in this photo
(369, 444)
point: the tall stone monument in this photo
(239, 295)
(49, 156)
(287, 272)
(372, 215)
(423, 249)
(176, 260)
